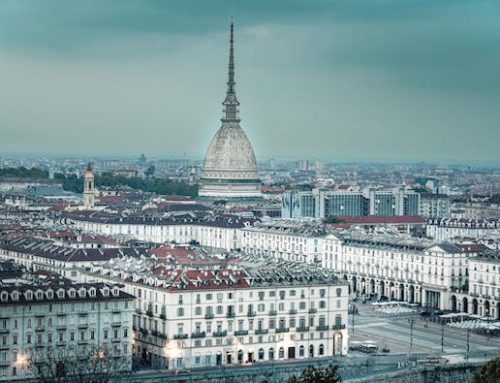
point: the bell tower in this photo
(88, 188)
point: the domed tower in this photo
(230, 168)
(88, 188)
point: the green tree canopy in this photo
(317, 374)
(333, 219)
(489, 373)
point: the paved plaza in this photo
(394, 331)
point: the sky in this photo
(338, 79)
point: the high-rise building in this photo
(88, 188)
(230, 168)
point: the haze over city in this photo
(392, 80)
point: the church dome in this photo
(230, 156)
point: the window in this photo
(339, 292)
(197, 310)
(180, 311)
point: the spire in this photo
(230, 113)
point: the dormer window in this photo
(82, 292)
(15, 296)
(39, 294)
(72, 293)
(92, 292)
(60, 293)
(105, 292)
(50, 294)
(4, 296)
(29, 295)
(116, 292)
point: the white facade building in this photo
(448, 228)
(484, 285)
(257, 311)
(66, 322)
(214, 231)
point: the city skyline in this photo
(403, 82)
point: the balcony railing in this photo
(230, 314)
(302, 329)
(219, 333)
(282, 329)
(199, 334)
(322, 328)
(149, 313)
(163, 317)
(261, 331)
(180, 336)
(209, 316)
(292, 312)
(313, 311)
(272, 312)
(251, 313)
(338, 327)
(241, 332)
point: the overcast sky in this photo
(351, 79)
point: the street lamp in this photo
(411, 321)
(442, 336)
(353, 307)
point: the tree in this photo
(317, 374)
(489, 373)
(150, 171)
(333, 219)
(81, 364)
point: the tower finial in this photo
(231, 102)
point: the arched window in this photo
(311, 351)
(240, 356)
(261, 354)
(281, 353)
(301, 351)
(321, 350)
(271, 353)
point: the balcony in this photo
(230, 314)
(83, 326)
(138, 311)
(180, 336)
(198, 334)
(261, 331)
(209, 316)
(116, 324)
(292, 312)
(302, 329)
(322, 328)
(282, 329)
(4, 331)
(272, 312)
(241, 332)
(219, 334)
(338, 327)
(149, 313)
(251, 313)
(486, 296)
(163, 317)
(313, 311)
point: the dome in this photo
(230, 156)
(230, 168)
